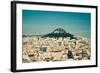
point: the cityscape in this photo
(55, 46)
(51, 36)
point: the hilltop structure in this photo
(59, 32)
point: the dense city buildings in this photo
(61, 46)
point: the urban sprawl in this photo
(38, 49)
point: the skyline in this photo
(42, 22)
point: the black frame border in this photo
(13, 35)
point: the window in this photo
(43, 49)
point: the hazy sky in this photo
(42, 22)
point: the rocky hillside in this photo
(59, 32)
